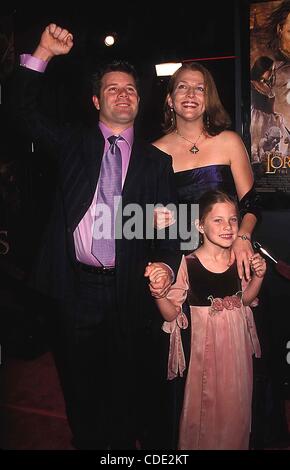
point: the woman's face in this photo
(188, 97)
(284, 32)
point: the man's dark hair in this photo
(115, 66)
(261, 65)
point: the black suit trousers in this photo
(97, 363)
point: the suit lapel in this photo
(93, 152)
(135, 169)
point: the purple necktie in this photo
(110, 187)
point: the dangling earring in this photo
(172, 115)
(200, 239)
(207, 121)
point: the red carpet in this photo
(32, 408)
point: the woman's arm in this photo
(240, 164)
(242, 249)
(244, 181)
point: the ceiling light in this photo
(109, 40)
(168, 68)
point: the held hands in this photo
(242, 252)
(258, 265)
(54, 41)
(160, 277)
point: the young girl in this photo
(216, 411)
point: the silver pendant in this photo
(194, 149)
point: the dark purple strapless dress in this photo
(192, 184)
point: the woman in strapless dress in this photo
(205, 156)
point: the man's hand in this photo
(160, 276)
(54, 41)
(242, 251)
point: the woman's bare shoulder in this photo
(230, 137)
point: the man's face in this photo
(119, 100)
(285, 35)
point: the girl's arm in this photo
(167, 309)
(258, 265)
(170, 306)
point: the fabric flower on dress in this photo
(229, 303)
(217, 304)
(236, 301)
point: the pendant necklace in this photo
(194, 149)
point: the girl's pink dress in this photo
(216, 411)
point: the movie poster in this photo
(270, 94)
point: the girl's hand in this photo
(160, 277)
(258, 265)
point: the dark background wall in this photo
(145, 37)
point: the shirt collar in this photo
(127, 134)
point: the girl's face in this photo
(220, 225)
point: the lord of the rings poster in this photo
(270, 94)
